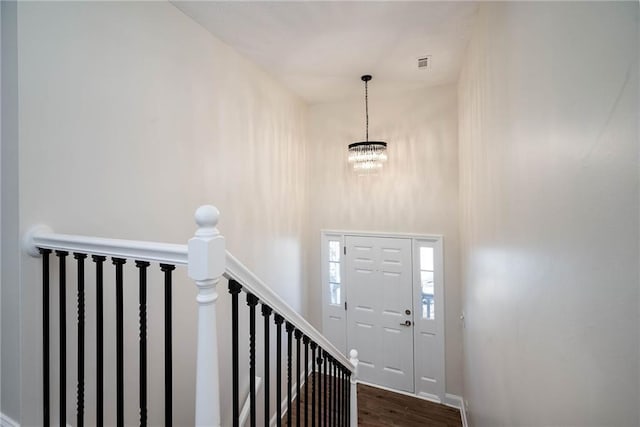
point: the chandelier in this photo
(367, 156)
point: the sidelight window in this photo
(335, 282)
(427, 283)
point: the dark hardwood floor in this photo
(381, 408)
(378, 408)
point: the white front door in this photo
(380, 309)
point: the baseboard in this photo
(456, 401)
(5, 421)
(246, 408)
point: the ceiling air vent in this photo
(424, 62)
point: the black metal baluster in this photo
(314, 381)
(345, 408)
(349, 398)
(347, 395)
(338, 394)
(331, 390)
(324, 389)
(320, 388)
(334, 382)
(340, 402)
(234, 290)
(289, 328)
(252, 301)
(266, 312)
(305, 340)
(343, 396)
(80, 389)
(45, 336)
(119, 263)
(62, 255)
(338, 408)
(99, 260)
(334, 379)
(142, 321)
(298, 335)
(168, 346)
(334, 414)
(339, 383)
(279, 320)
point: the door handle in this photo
(406, 323)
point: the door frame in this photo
(434, 240)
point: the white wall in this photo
(549, 167)
(9, 277)
(131, 116)
(417, 191)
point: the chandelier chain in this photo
(366, 109)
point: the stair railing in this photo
(333, 376)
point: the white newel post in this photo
(206, 266)
(353, 358)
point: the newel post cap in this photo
(207, 217)
(353, 358)
(207, 252)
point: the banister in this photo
(42, 236)
(237, 271)
(207, 261)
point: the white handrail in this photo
(42, 237)
(237, 271)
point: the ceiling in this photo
(320, 49)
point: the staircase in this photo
(301, 353)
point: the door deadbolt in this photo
(406, 323)
(407, 312)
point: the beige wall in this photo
(131, 116)
(548, 110)
(416, 192)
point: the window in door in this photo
(427, 284)
(335, 283)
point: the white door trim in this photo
(437, 241)
(432, 237)
(425, 387)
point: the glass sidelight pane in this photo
(335, 293)
(426, 280)
(334, 272)
(334, 250)
(426, 258)
(427, 295)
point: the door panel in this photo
(379, 277)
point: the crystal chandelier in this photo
(367, 156)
